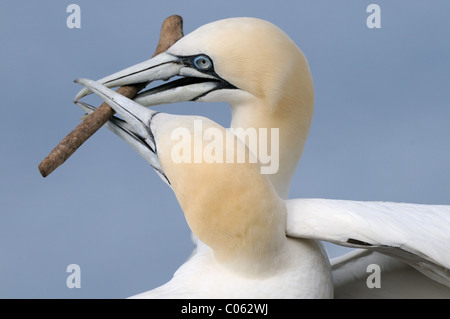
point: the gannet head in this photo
(247, 62)
(229, 206)
(243, 54)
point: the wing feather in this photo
(416, 234)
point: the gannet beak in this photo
(197, 72)
(160, 67)
(137, 116)
(135, 129)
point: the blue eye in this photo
(203, 63)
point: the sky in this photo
(380, 131)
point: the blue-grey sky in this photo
(380, 130)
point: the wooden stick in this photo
(171, 32)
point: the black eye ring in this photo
(203, 63)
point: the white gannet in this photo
(231, 207)
(247, 62)
(263, 75)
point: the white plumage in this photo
(265, 78)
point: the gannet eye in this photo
(203, 63)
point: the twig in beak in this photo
(171, 32)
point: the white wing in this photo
(418, 235)
(396, 279)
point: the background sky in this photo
(380, 130)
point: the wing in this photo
(418, 235)
(366, 273)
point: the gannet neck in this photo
(248, 233)
(293, 127)
(291, 113)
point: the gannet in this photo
(264, 76)
(247, 62)
(230, 207)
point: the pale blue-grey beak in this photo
(135, 129)
(198, 78)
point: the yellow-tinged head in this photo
(255, 56)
